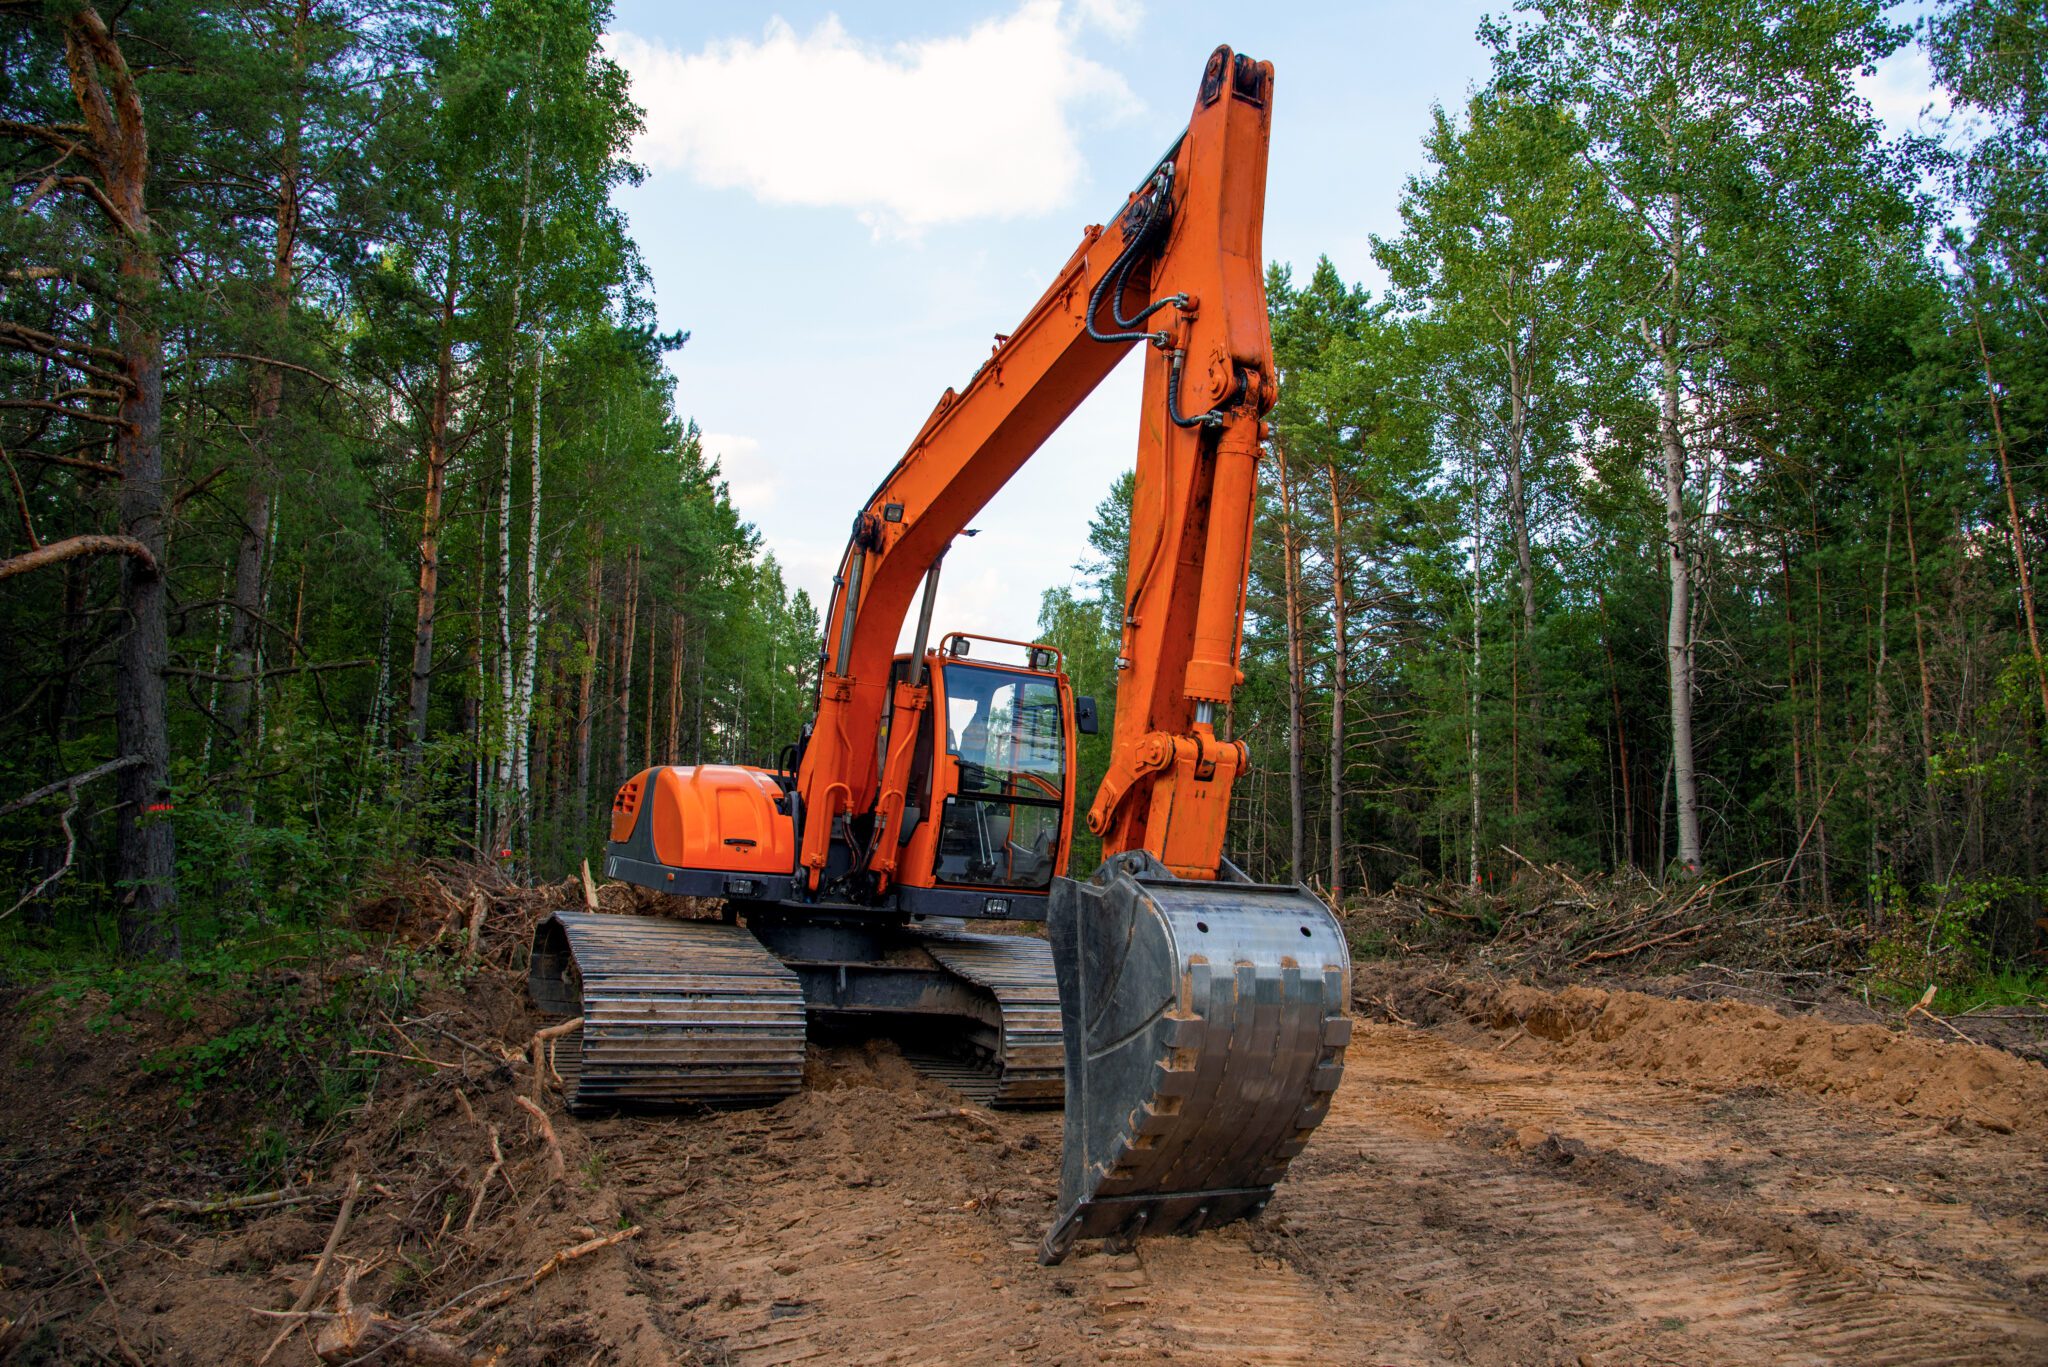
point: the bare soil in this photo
(1509, 1175)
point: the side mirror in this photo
(1084, 715)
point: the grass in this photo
(277, 1037)
(2007, 987)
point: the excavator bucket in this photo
(1205, 1026)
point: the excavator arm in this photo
(1203, 1017)
(1178, 273)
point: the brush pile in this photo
(1548, 922)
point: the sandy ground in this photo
(1508, 1176)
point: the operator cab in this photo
(991, 791)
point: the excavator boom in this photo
(1194, 1022)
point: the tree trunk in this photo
(1821, 789)
(508, 719)
(647, 733)
(145, 849)
(1472, 684)
(437, 483)
(245, 626)
(1518, 517)
(1792, 699)
(1628, 815)
(1339, 668)
(1678, 629)
(501, 762)
(1931, 819)
(1290, 566)
(586, 685)
(529, 651)
(627, 630)
(672, 748)
(2012, 509)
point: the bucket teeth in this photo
(1205, 1028)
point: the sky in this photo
(844, 204)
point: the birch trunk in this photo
(529, 651)
(508, 719)
(1792, 699)
(1518, 517)
(1678, 626)
(1931, 821)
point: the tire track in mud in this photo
(1527, 1214)
(1460, 1205)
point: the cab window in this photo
(1001, 828)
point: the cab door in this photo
(1001, 782)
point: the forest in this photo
(1674, 511)
(352, 507)
(1671, 513)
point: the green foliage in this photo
(1640, 184)
(397, 222)
(255, 1028)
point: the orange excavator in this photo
(1192, 1022)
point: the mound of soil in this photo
(1737, 1044)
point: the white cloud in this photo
(751, 480)
(1119, 18)
(939, 130)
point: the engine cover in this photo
(703, 818)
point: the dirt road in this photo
(1475, 1197)
(1509, 1176)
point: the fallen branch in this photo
(409, 1058)
(1635, 948)
(557, 1169)
(496, 1060)
(261, 1200)
(71, 547)
(1386, 1004)
(358, 1333)
(483, 1187)
(1920, 1008)
(956, 1113)
(543, 1052)
(1553, 869)
(476, 926)
(311, 1293)
(454, 1319)
(120, 1339)
(70, 855)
